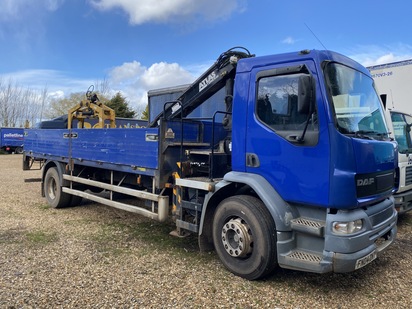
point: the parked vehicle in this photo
(400, 127)
(296, 171)
(392, 82)
(11, 140)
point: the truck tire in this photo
(75, 200)
(19, 150)
(53, 190)
(244, 236)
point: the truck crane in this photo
(91, 108)
(297, 170)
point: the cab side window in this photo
(277, 104)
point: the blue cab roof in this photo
(247, 64)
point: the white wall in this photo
(395, 80)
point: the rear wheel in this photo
(19, 150)
(244, 236)
(53, 190)
(75, 200)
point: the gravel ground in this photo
(92, 256)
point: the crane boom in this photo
(219, 75)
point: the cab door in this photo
(287, 140)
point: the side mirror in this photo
(306, 98)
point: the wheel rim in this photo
(236, 237)
(52, 187)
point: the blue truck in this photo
(296, 171)
(12, 140)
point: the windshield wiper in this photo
(366, 134)
(406, 151)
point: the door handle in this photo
(252, 160)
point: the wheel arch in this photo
(60, 169)
(235, 183)
(222, 190)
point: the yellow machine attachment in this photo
(91, 108)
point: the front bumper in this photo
(352, 261)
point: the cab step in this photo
(308, 226)
(304, 256)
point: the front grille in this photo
(408, 175)
(380, 217)
(374, 183)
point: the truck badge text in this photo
(365, 182)
(207, 81)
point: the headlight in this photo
(347, 227)
(398, 200)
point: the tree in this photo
(103, 87)
(120, 106)
(61, 106)
(145, 113)
(20, 106)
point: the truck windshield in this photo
(356, 104)
(402, 131)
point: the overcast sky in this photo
(138, 45)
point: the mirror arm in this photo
(302, 137)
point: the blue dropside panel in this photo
(135, 148)
(46, 142)
(191, 131)
(117, 146)
(196, 131)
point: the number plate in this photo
(366, 260)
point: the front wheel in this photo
(244, 236)
(53, 190)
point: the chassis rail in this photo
(162, 201)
